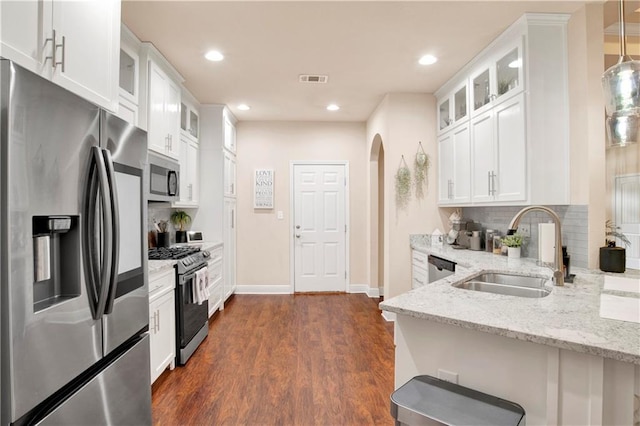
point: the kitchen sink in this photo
(507, 284)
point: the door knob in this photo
(297, 235)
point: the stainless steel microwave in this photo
(164, 178)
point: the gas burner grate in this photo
(173, 253)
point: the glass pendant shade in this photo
(621, 84)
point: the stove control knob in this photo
(205, 253)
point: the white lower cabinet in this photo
(216, 282)
(162, 322)
(419, 271)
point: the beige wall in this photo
(402, 120)
(263, 256)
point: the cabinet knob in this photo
(297, 235)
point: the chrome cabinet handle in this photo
(53, 49)
(63, 53)
(492, 183)
(489, 182)
(158, 311)
(297, 235)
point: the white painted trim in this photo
(389, 316)
(358, 288)
(292, 265)
(373, 292)
(263, 289)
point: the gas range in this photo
(168, 253)
(188, 258)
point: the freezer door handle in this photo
(97, 265)
(114, 241)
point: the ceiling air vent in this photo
(306, 78)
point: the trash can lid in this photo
(453, 404)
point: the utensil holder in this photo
(163, 239)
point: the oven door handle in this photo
(187, 277)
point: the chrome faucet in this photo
(558, 273)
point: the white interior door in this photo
(627, 212)
(319, 226)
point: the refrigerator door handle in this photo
(114, 241)
(98, 265)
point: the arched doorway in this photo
(376, 190)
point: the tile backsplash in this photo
(574, 227)
(161, 211)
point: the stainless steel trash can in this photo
(428, 401)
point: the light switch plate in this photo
(280, 215)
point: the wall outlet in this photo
(525, 230)
(448, 376)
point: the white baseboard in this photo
(364, 288)
(389, 316)
(263, 289)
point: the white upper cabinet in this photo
(518, 119)
(164, 112)
(189, 120)
(454, 166)
(453, 107)
(73, 43)
(129, 77)
(229, 134)
(499, 154)
(498, 78)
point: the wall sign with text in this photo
(263, 189)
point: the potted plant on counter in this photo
(613, 258)
(514, 242)
(180, 219)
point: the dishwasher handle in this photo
(441, 263)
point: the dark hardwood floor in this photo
(285, 360)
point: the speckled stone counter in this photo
(568, 318)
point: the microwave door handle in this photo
(114, 241)
(172, 191)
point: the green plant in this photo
(514, 240)
(421, 166)
(612, 233)
(180, 219)
(403, 184)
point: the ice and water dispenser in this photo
(56, 260)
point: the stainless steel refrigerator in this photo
(74, 310)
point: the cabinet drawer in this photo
(420, 277)
(215, 269)
(162, 280)
(419, 259)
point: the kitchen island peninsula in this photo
(554, 355)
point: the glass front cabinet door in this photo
(452, 108)
(444, 115)
(498, 79)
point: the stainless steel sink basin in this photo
(507, 284)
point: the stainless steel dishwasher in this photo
(439, 268)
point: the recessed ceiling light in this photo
(244, 107)
(428, 60)
(333, 107)
(515, 64)
(214, 55)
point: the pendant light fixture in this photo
(621, 84)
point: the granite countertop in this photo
(568, 318)
(158, 266)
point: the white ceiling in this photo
(367, 49)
